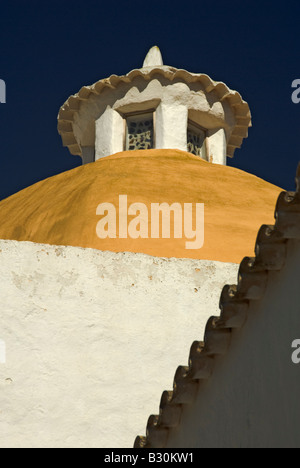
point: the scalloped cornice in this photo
(71, 108)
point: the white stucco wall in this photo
(252, 399)
(93, 338)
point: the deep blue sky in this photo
(49, 50)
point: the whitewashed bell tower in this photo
(156, 106)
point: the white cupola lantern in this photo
(156, 106)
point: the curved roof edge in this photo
(71, 107)
(271, 252)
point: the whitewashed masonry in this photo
(92, 337)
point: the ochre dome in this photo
(61, 210)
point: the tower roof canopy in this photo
(210, 103)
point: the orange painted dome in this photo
(61, 210)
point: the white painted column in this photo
(216, 146)
(109, 134)
(171, 126)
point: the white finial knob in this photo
(153, 58)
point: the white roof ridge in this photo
(271, 254)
